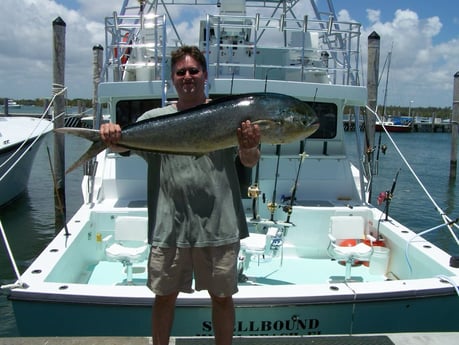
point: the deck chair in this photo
(130, 242)
(349, 228)
(261, 245)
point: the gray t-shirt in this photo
(193, 201)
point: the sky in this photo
(422, 36)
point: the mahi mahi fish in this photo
(211, 126)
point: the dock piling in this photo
(454, 128)
(59, 121)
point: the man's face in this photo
(188, 77)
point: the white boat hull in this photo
(17, 152)
(289, 295)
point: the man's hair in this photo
(192, 51)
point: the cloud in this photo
(417, 64)
(422, 66)
(27, 60)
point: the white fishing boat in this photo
(319, 260)
(20, 139)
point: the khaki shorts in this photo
(213, 268)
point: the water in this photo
(29, 221)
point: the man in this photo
(196, 218)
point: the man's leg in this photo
(162, 318)
(223, 319)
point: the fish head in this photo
(294, 120)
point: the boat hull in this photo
(394, 128)
(395, 314)
(290, 280)
(15, 183)
(21, 138)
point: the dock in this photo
(71, 120)
(418, 126)
(373, 339)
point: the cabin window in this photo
(127, 112)
(328, 118)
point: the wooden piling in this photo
(372, 90)
(96, 73)
(59, 27)
(5, 107)
(454, 128)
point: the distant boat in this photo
(387, 122)
(393, 126)
(12, 104)
(20, 138)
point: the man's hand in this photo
(248, 136)
(110, 133)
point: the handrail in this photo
(229, 31)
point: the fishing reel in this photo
(253, 191)
(271, 207)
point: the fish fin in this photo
(265, 124)
(90, 134)
(93, 150)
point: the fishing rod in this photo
(272, 205)
(289, 208)
(303, 155)
(390, 194)
(254, 192)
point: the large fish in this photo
(212, 126)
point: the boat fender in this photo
(454, 261)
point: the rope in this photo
(447, 221)
(449, 280)
(56, 93)
(13, 261)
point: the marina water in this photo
(29, 220)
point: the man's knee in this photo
(222, 301)
(166, 299)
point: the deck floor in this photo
(260, 271)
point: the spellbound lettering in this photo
(295, 324)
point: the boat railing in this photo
(134, 42)
(235, 46)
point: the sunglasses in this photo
(192, 71)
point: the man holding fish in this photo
(196, 218)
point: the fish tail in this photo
(90, 134)
(93, 151)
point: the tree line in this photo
(393, 110)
